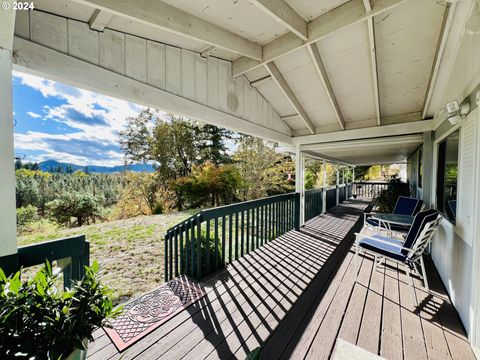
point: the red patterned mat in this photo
(143, 315)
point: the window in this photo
(420, 167)
(447, 175)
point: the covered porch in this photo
(297, 296)
(351, 83)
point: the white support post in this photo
(324, 204)
(8, 237)
(427, 161)
(300, 181)
(337, 193)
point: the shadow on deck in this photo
(296, 295)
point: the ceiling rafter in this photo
(373, 61)
(350, 13)
(100, 19)
(169, 18)
(285, 15)
(322, 74)
(289, 94)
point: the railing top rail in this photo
(225, 210)
(209, 214)
(36, 254)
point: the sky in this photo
(60, 122)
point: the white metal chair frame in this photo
(414, 255)
(385, 224)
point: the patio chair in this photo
(404, 206)
(408, 253)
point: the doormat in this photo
(145, 314)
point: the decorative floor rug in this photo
(145, 314)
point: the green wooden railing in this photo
(313, 203)
(71, 254)
(209, 240)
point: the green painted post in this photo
(297, 211)
(165, 256)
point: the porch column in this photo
(300, 182)
(427, 161)
(8, 240)
(337, 193)
(324, 197)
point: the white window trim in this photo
(433, 193)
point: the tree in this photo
(174, 144)
(264, 172)
(143, 194)
(83, 207)
(208, 184)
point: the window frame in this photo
(436, 143)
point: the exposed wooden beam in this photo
(287, 91)
(284, 14)
(352, 144)
(166, 17)
(261, 81)
(373, 61)
(289, 117)
(100, 19)
(367, 133)
(209, 51)
(351, 12)
(442, 41)
(322, 74)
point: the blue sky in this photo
(60, 122)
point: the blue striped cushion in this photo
(386, 246)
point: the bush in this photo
(26, 215)
(158, 209)
(204, 246)
(83, 207)
(38, 321)
(388, 198)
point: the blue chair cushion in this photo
(419, 222)
(407, 205)
(384, 245)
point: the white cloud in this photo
(94, 118)
(33, 115)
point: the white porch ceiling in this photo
(376, 56)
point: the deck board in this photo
(297, 295)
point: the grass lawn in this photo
(129, 251)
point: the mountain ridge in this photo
(54, 166)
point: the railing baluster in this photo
(170, 252)
(207, 248)
(223, 240)
(236, 235)
(176, 250)
(193, 265)
(199, 248)
(248, 231)
(166, 259)
(256, 229)
(216, 243)
(230, 234)
(242, 242)
(187, 249)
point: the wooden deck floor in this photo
(297, 295)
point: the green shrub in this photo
(388, 198)
(26, 215)
(83, 207)
(39, 321)
(158, 209)
(204, 246)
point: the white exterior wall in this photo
(453, 249)
(176, 80)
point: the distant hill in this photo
(54, 166)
